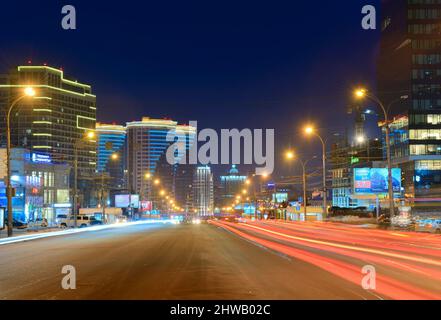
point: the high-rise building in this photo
(111, 139)
(231, 185)
(184, 171)
(54, 122)
(146, 143)
(409, 65)
(203, 198)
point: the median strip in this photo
(78, 230)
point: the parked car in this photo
(83, 221)
(19, 224)
(62, 220)
(429, 225)
(95, 222)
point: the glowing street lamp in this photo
(289, 155)
(360, 139)
(310, 130)
(362, 94)
(303, 163)
(28, 92)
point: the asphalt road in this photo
(165, 262)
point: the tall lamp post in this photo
(311, 131)
(78, 143)
(113, 157)
(290, 156)
(28, 92)
(361, 94)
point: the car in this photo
(121, 219)
(61, 220)
(432, 225)
(95, 222)
(83, 221)
(19, 224)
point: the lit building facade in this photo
(230, 186)
(111, 141)
(146, 143)
(42, 187)
(203, 198)
(410, 64)
(343, 159)
(51, 124)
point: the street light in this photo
(114, 156)
(28, 92)
(290, 156)
(309, 130)
(88, 136)
(361, 94)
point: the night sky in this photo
(238, 64)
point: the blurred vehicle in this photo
(95, 222)
(83, 221)
(196, 221)
(242, 220)
(121, 219)
(384, 221)
(403, 222)
(230, 218)
(432, 225)
(61, 220)
(19, 224)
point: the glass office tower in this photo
(409, 65)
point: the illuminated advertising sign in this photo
(127, 201)
(375, 180)
(122, 200)
(146, 206)
(40, 158)
(134, 201)
(280, 197)
(2, 218)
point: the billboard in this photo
(127, 201)
(122, 200)
(146, 206)
(375, 180)
(280, 197)
(2, 218)
(134, 201)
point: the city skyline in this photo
(219, 157)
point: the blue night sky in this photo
(227, 64)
